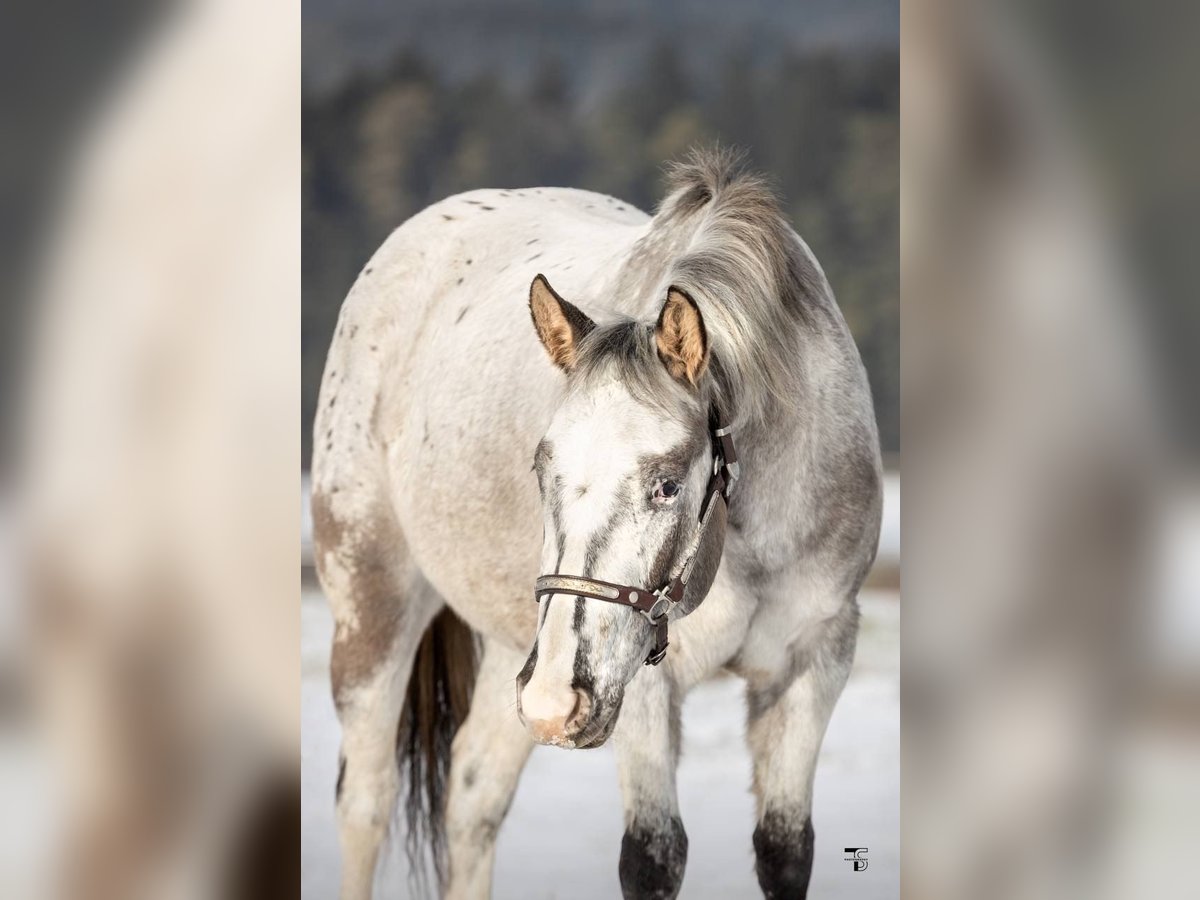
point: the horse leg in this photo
(368, 777)
(789, 711)
(487, 756)
(654, 848)
(381, 608)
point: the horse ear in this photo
(560, 325)
(681, 338)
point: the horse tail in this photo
(438, 699)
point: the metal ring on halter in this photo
(662, 606)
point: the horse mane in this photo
(754, 281)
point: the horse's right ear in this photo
(559, 324)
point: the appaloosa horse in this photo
(672, 355)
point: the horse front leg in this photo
(789, 710)
(654, 848)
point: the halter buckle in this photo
(662, 606)
(655, 658)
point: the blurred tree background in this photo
(562, 94)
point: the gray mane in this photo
(721, 237)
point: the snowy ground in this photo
(562, 837)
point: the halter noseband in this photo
(657, 605)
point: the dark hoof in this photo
(652, 862)
(783, 852)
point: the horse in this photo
(450, 428)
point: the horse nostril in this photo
(579, 715)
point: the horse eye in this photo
(666, 490)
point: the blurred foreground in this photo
(151, 678)
(1051, 727)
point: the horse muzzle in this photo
(563, 716)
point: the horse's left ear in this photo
(681, 338)
(560, 325)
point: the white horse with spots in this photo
(442, 412)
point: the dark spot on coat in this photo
(367, 270)
(532, 258)
(337, 791)
(488, 208)
(377, 595)
(468, 262)
(598, 541)
(462, 312)
(530, 242)
(486, 830)
(460, 281)
(447, 218)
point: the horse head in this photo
(624, 470)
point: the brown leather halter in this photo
(657, 605)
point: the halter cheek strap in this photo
(657, 605)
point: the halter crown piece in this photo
(657, 605)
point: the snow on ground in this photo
(562, 837)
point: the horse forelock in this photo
(625, 351)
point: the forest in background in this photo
(823, 123)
